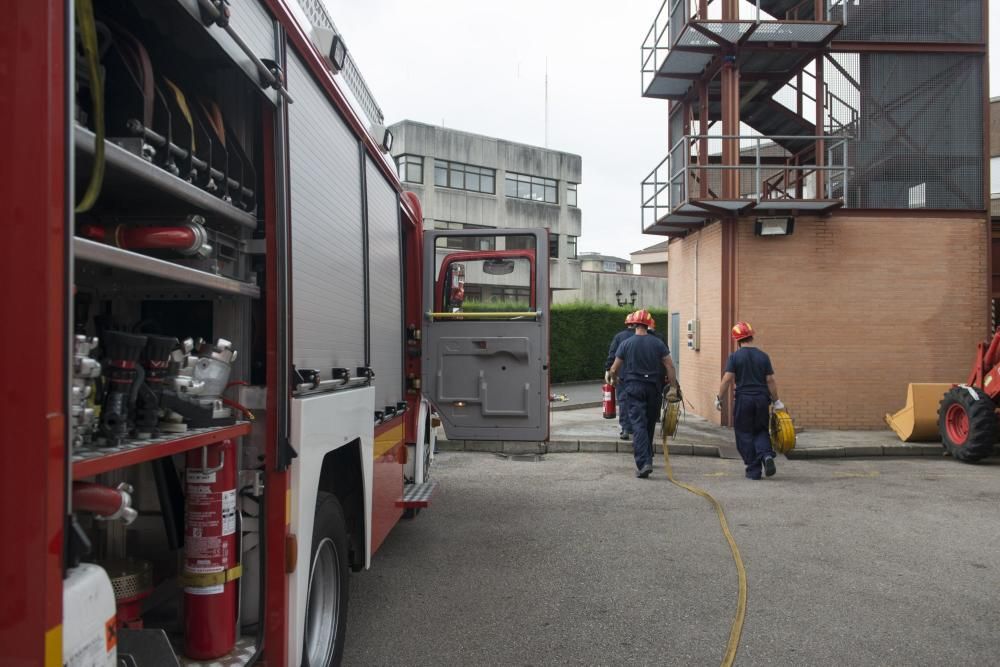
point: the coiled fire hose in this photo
(736, 630)
(88, 39)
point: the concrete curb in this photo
(575, 406)
(682, 449)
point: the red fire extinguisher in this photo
(609, 401)
(211, 558)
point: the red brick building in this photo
(853, 232)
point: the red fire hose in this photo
(105, 502)
(155, 238)
(188, 238)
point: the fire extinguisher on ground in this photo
(211, 558)
(609, 400)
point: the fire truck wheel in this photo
(326, 606)
(967, 422)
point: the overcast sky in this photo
(480, 67)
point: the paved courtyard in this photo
(571, 560)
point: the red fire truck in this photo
(230, 339)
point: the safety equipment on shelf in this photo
(782, 432)
(132, 580)
(86, 370)
(121, 354)
(609, 407)
(211, 553)
(156, 364)
(195, 392)
(742, 331)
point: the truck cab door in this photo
(486, 332)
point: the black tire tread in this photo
(330, 523)
(983, 429)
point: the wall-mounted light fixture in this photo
(622, 302)
(774, 226)
(332, 46)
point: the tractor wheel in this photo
(967, 422)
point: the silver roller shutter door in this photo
(385, 285)
(327, 251)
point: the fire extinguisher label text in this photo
(229, 512)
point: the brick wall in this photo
(701, 370)
(852, 309)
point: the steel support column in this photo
(728, 299)
(820, 144)
(730, 128)
(703, 141)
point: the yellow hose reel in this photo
(671, 415)
(782, 432)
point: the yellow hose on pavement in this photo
(736, 630)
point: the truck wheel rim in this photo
(323, 607)
(956, 422)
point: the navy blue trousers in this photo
(623, 420)
(643, 400)
(750, 422)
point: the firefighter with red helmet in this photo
(750, 369)
(620, 337)
(642, 361)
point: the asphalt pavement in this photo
(571, 560)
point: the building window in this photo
(918, 196)
(610, 267)
(534, 188)
(553, 246)
(411, 168)
(571, 247)
(520, 242)
(464, 177)
(995, 177)
(466, 242)
(571, 194)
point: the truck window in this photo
(472, 280)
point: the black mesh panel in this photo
(909, 21)
(917, 141)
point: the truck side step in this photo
(417, 495)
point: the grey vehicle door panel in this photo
(487, 378)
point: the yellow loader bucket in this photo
(918, 421)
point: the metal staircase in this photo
(787, 163)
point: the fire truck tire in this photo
(326, 605)
(967, 421)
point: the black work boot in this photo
(769, 467)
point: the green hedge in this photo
(580, 336)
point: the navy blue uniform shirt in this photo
(615, 342)
(751, 367)
(642, 358)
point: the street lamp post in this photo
(622, 302)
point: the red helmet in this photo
(742, 331)
(643, 317)
(630, 318)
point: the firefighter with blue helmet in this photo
(750, 369)
(641, 363)
(620, 337)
